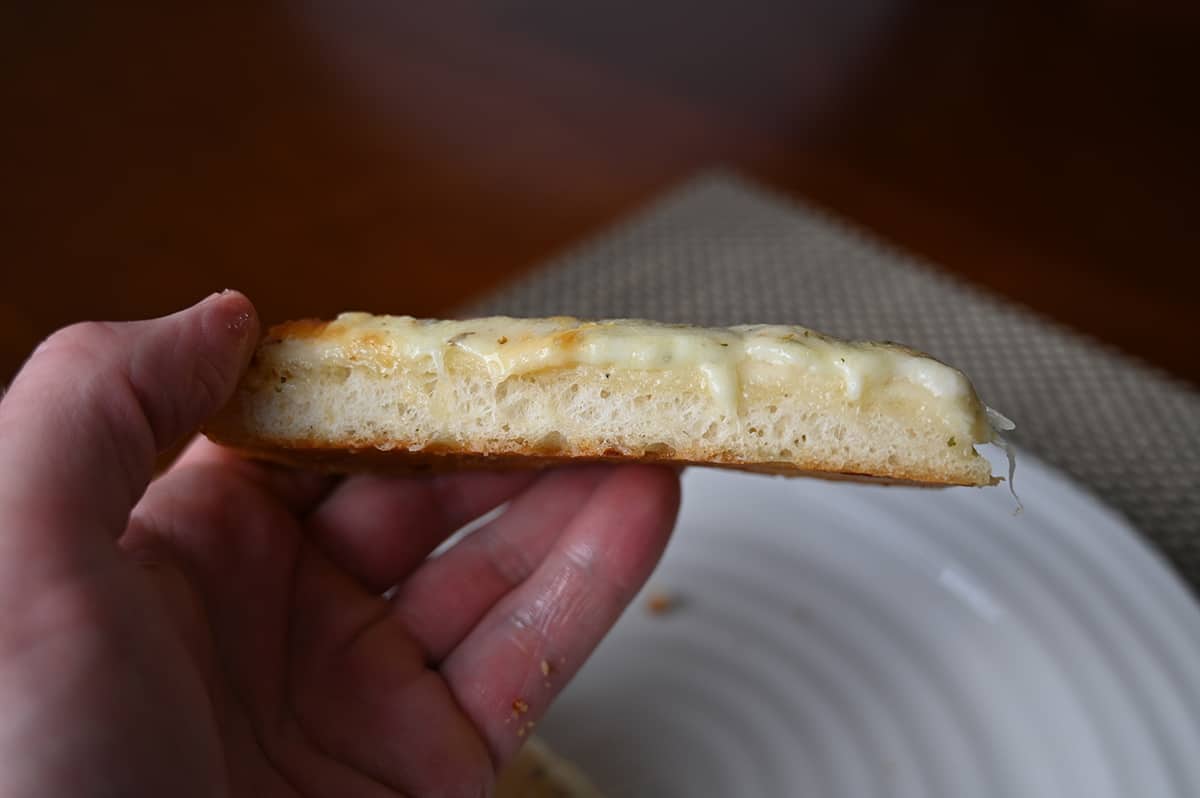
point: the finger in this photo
(360, 687)
(223, 551)
(506, 671)
(295, 488)
(236, 548)
(84, 419)
(446, 597)
(380, 528)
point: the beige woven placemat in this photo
(723, 251)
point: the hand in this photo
(223, 631)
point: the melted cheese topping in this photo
(508, 346)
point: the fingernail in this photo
(239, 323)
(232, 312)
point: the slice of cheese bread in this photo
(367, 392)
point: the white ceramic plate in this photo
(848, 640)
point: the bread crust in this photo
(387, 458)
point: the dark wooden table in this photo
(402, 157)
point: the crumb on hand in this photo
(661, 602)
(519, 706)
(547, 669)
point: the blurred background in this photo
(407, 157)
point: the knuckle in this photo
(512, 563)
(236, 516)
(581, 555)
(565, 605)
(211, 378)
(82, 340)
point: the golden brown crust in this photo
(399, 459)
(298, 328)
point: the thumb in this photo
(85, 418)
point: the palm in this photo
(316, 684)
